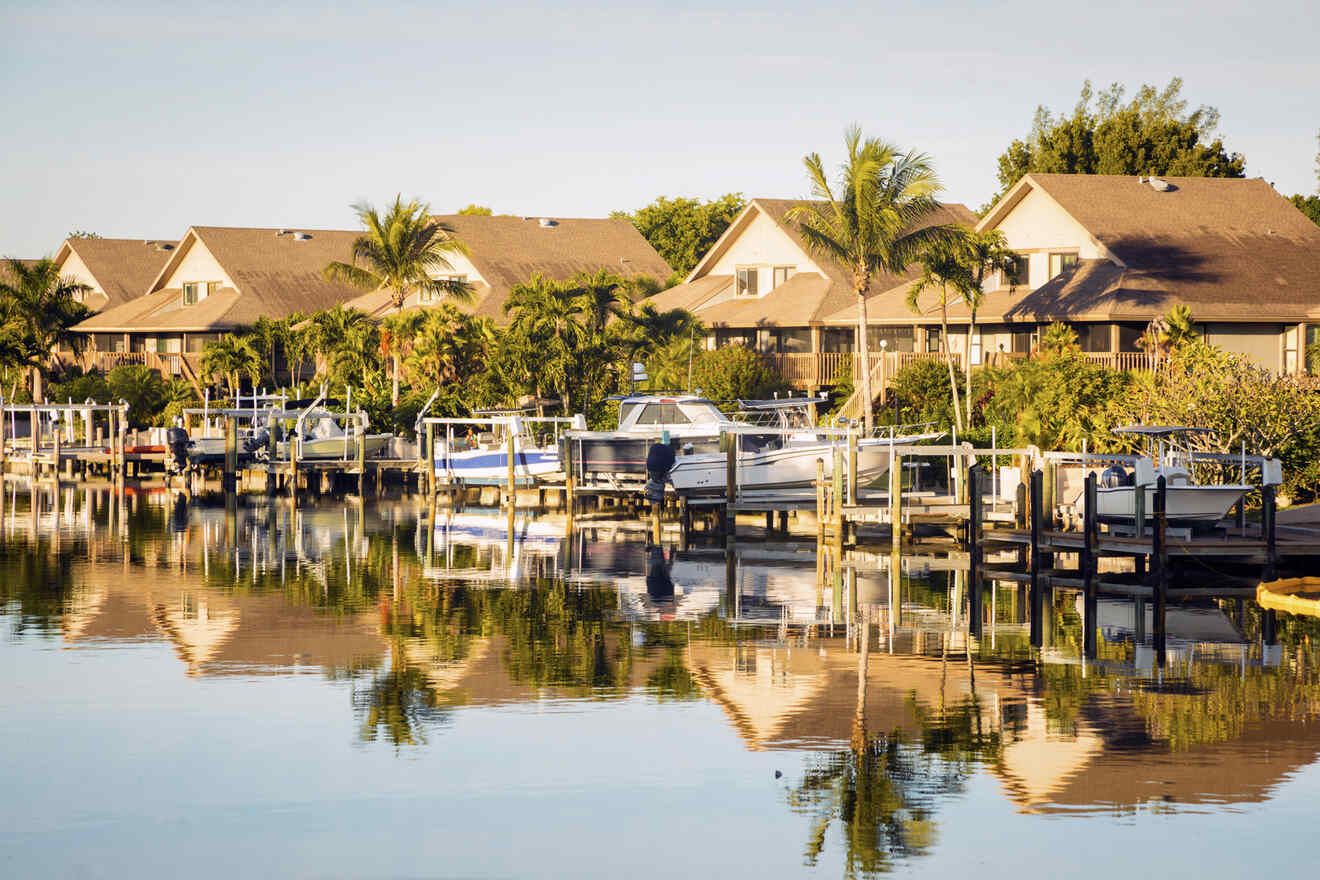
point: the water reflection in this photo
(867, 670)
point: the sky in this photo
(138, 120)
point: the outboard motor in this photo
(177, 442)
(659, 462)
(1113, 477)
(659, 585)
(179, 514)
(259, 439)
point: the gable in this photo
(1037, 222)
(761, 242)
(193, 262)
(73, 267)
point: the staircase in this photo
(854, 407)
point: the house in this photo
(1107, 254)
(761, 286)
(506, 250)
(216, 280)
(116, 269)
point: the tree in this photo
(80, 233)
(735, 373)
(983, 252)
(475, 210)
(1310, 205)
(867, 223)
(944, 265)
(550, 321)
(401, 252)
(682, 230)
(1058, 399)
(331, 328)
(37, 310)
(231, 357)
(1152, 134)
(449, 346)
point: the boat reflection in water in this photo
(868, 673)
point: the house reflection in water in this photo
(431, 620)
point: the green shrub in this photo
(732, 373)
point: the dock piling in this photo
(1035, 492)
(1090, 545)
(1159, 560)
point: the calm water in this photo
(340, 691)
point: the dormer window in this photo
(748, 277)
(1060, 263)
(782, 274)
(196, 291)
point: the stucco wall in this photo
(1260, 342)
(196, 264)
(1036, 226)
(764, 244)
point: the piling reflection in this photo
(864, 664)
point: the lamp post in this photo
(884, 370)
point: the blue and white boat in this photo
(476, 451)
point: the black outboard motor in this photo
(1113, 477)
(177, 442)
(259, 439)
(659, 585)
(659, 462)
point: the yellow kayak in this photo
(1294, 595)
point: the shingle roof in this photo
(124, 268)
(1228, 249)
(690, 296)
(510, 250)
(813, 299)
(276, 275)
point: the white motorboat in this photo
(792, 465)
(476, 450)
(683, 420)
(1169, 453)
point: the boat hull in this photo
(492, 465)
(620, 454)
(790, 467)
(1185, 504)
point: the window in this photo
(747, 279)
(1060, 263)
(745, 338)
(895, 338)
(835, 341)
(1019, 274)
(796, 341)
(1129, 337)
(782, 274)
(196, 291)
(197, 341)
(1092, 337)
(933, 339)
(662, 414)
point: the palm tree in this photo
(865, 222)
(942, 267)
(1179, 328)
(398, 331)
(552, 320)
(230, 357)
(401, 252)
(38, 308)
(985, 252)
(449, 345)
(328, 329)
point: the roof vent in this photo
(1159, 185)
(302, 236)
(280, 232)
(159, 245)
(546, 222)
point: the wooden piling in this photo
(895, 498)
(974, 536)
(730, 444)
(1267, 525)
(229, 478)
(836, 491)
(1090, 545)
(852, 464)
(426, 458)
(820, 505)
(511, 490)
(1035, 492)
(1159, 562)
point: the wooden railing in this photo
(167, 363)
(819, 370)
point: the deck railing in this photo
(816, 370)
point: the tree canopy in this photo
(1154, 133)
(682, 230)
(476, 210)
(1310, 205)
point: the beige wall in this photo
(1037, 225)
(196, 264)
(74, 268)
(461, 266)
(1261, 343)
(764, 244)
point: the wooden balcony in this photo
(168, 364)
(821, 369)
